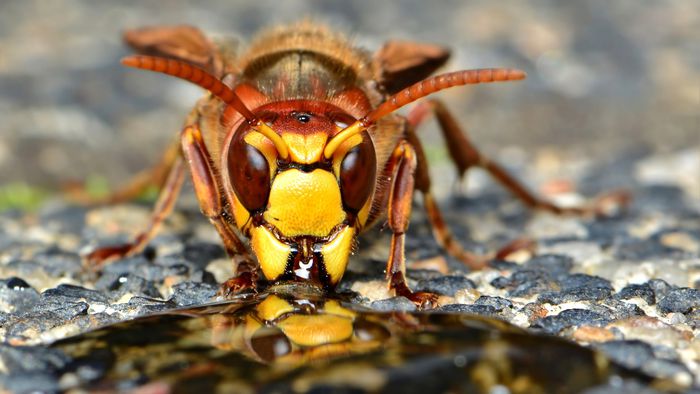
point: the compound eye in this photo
(270, 343)
(250, 174)
(357, 174)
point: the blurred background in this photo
(606, 79)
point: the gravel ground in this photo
(627, 285)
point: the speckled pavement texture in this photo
(628, 285)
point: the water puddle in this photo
(294, 339)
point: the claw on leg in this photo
(239, 284)
(246, 278)
(422, 299)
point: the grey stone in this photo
(16, 295)
(447, 285)
(202, 276)
(584, 281)
(618, 309)
(641, 249)
(660, 287)
(143, 305)
(575, 294)
(57, 262)
(578, 287)
(393, 304)
(202, 253)
(643, 291)
(570, 318)
(474, 309)
(498, 303)
(192, 293)
(555, 265)
(63, 218)
(681, 300)
(526, 283)
(119, 285)
(42, 318)
(71, 293)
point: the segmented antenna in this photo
(199, 77)
(420, 90)
(440, 82)
(194, 74)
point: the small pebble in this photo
(17, 296)
(394, 304)
(681, 300)
(526, 283)
(643, 291)
(555, 265)
(498, 303)
(570, 318)
(193, 293)
(447, 285)
(575, 294)
(118, 285)
(483, 310)
(71, 293)
(660, 287)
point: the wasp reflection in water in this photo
(293, 331)
(293, 339)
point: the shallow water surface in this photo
(294, 339)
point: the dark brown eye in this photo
(270, 343)
(250, 174)
(357, 173)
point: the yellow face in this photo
(303, 212)
(292, 332)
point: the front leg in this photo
(403, 162)
(164, 206)
(206, 187)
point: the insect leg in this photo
(403, 162)
(164, 206)
(465, 155)
(441, 231)
(209, 196)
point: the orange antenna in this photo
(418, 91)
(199, 77)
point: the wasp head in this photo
(301, 208)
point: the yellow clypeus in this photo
(305, 203)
